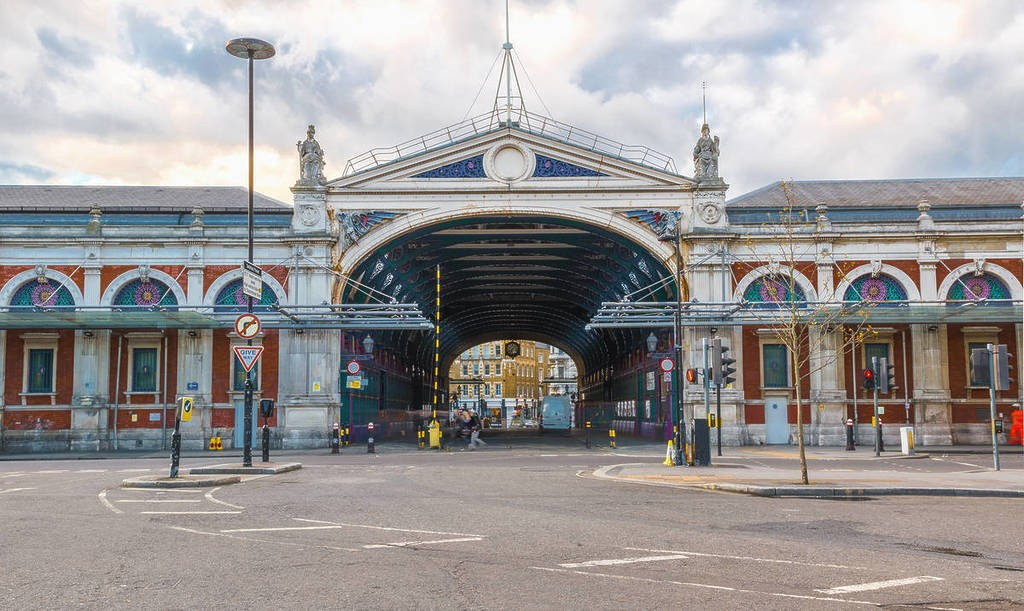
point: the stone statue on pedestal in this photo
(705, 155)
(311, 160)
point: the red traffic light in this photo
(869, 379)
(691, 376)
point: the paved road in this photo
(528, 528)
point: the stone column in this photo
(827, 388)
(930, 362)
(89, 417)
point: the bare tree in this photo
(816, 333)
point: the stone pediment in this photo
(507, 158)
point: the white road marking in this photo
(132, 470)
(411, 543)
(159, 501)
(186, 513)
(103, 499)
(15, 474)
(14, 490)
(404, 530)
(251, 539)
(878, 585)
(209, 497)
(616, 561)
(707, 586)
(279, 529)
(751, 558)
(91, 471)
(51, 471)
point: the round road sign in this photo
(247, 326)
(352, 368)
(667, 364)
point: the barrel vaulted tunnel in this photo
(507, 276)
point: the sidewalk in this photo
(834, 473)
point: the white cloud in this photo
(868, 89)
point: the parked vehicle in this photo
(555, 413)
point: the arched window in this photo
(145, 293)
(47, 293)
(232, 298)
(881, 288)
(977, 288)
(773, 290)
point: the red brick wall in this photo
(15, 368)
(49, 419)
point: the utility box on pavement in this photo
(701, 443)
(907, 440)
(434, 435)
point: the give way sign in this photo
(248, 355)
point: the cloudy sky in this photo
(134, 92)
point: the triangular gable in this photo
(554, 163)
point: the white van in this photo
(556, 413)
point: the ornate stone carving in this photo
(311, 160)
(710, 212)
(309, 215)
(197, 217)
(876, 268)
(94, 225)
(41, 274)
(144, 273)
(979, 267)
(705, 155)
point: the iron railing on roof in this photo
(518, 119)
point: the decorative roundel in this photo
(509, 162)
(876, 290)
(976, 288)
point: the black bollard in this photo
(370, 449)
(849, 435)
(266, 442)
(588, 434)
(335, 440)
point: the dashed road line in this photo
(388, 528)
(51, 471)
(751, 558)
(413, 543)
(187, 513)
(91, 471)
(14, 490)
(618, 561)
(878, 585)
(133, 470)
(159, 501)
(707, 586)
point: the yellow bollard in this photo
(435, 435)
(669, 453)
(611, 437)
(213, 443)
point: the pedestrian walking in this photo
(474, 431)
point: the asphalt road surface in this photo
(500, 528)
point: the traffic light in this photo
(869, 379)
(1002, 366)
(721, 364)
(981, 374)
(886, 375)
(691, 376)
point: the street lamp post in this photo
(677, 340)
(250, 49)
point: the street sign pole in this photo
(992, 403)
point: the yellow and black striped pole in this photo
(437, 344)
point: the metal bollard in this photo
(588, 434)
(611, 438)
(266, 443)
(335, 440)
(348, 435)
(369, 439)
(849, 435)
(420, 435)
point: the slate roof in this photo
(17, 198)
(896, 193)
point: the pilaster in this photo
(930, 362)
